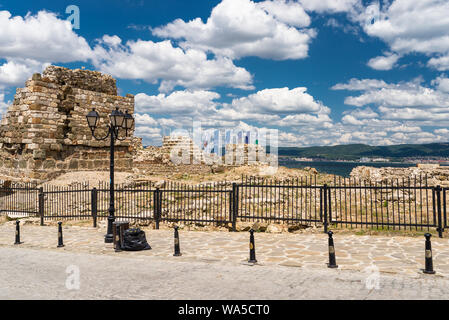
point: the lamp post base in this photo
(108, 238)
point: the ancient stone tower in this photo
(44, 132)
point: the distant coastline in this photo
(414, 153)
(341, 168)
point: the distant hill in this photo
(356, 151)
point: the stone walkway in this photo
(392, 255)
(53, 274)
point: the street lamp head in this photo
(128, 122)
(92, 119)
(117, 118)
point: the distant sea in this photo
(339, 168)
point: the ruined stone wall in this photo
(434, 175)
(181, 155)
(157, 160)
(182, 146)
(44, 132)
(244, 154)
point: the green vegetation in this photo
(356, 151)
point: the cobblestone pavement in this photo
(390, 255)
(51, 274)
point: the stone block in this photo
(23, 164)
(82, 164)
(61, 165)
(39, 154)
(49, 164)
(36, 76)
(73, 164)
(98, 164)
(55, 147)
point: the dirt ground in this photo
(93, 178)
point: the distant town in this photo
(437, 153)
(411, 160)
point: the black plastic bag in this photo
(134, 240)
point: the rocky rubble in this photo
(388, 175)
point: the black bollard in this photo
(332, 261)
(177, 248)
(17, 232)
(117, 240)
(60, 240)
(252, 248)
(429, 263)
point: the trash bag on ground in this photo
(134, 240)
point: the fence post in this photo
(40, 198)
(329, 206)
(156, 199)
(234, 200)
(159, 209)
(444, 209)
(93, 203)
(324, 197)
(440, 225)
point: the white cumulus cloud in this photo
(386, 62)
(174, 66)
(177, 103)
(410, 27)
(41, 37)
(241, 28)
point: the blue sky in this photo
(321, 72)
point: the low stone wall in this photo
(80, 158)
(435, 175)
(167, 169)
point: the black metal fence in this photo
(402, 204)
(18, 199)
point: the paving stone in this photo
(402, 255)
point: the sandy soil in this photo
(93, 178)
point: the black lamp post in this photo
(118, 120)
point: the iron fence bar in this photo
(94, 208)
(434, 208)
(41, 204)
(376, 206)
(321, 204)
(444, 207)
(232, 206)
(440, 225)
(156, 207)
(324, 201)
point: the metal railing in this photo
(18, 199)
(398, 204)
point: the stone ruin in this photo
(434, 174)
(44, 132)
(179, 154)
(154, 160)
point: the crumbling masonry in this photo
(44, 132)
